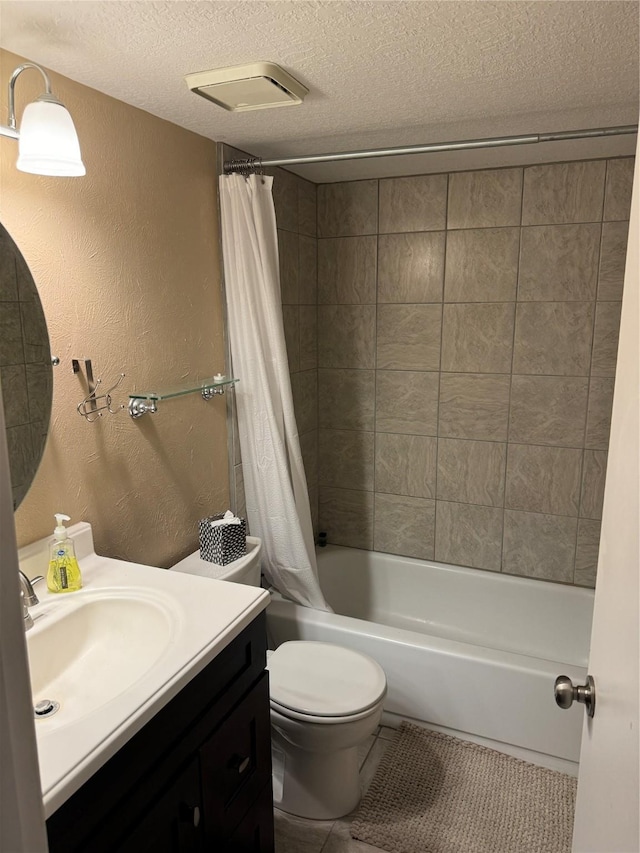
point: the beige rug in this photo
(433, 793)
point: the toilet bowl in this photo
(325, 701)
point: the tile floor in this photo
(298, 835)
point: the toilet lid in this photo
(324, 680)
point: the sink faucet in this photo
(28, 596)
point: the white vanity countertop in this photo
(199, 617)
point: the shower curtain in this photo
(275, 485)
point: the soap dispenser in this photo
(64, 571)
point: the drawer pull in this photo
(240, 764)
(190, 814)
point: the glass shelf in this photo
(180, 390)
(146, 402)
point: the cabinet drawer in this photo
(235, 763)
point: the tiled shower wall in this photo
(467, 337)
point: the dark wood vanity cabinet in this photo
(197, 777)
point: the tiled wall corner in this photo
(467, 338)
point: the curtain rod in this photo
(253, 164)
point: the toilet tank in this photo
(245, 569)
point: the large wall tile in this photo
(468, 535)
(15, 394)
(313, 507)
(348, 209)
(471, 472)
(291, 322)
(405, 465)
(548, 410)
(285, 198)
(587, 548)
(477, 337)
(409, 337)
(11, 339)
(613, 257)
(563, 192)
(307, 201)
(347, 399)
(347, 270)
(304, 388)
(307, 270)
(486, 199)
(404, 525)
(559, 263)
(605, 339)
(539, 546)
(309, 450)
(553, 338)
(599, 413)
(346, 515)
(474, 405)
(346, 459)
(413, 204)
(594, 470)
(543, 479)
(39, 388)
(346, 335)
(411, 267)
(617, 197)
(482, 265)
(288, 256)
(407, 402)
(308, 337)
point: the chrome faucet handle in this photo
(30, 598)
(26, 616)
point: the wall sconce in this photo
(47, 139)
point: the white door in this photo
(608, 791)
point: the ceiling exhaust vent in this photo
(258, 86)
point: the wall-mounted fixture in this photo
(94, 404)
(146, 402)
(239, 88)
(47, 139)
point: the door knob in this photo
(566, 693)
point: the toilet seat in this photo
(323, 683)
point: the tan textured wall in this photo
(126, 264)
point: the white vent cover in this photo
(248, 87)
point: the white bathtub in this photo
(469, 651)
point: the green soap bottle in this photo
(64, 572)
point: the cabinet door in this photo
(236, 764)
(255, 831)
(173, 823)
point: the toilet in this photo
(325, 701)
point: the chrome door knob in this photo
(566, 693)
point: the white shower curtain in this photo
(275, 484)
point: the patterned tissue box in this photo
(224, 543)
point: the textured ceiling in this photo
(379, 73)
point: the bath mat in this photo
(433, 793)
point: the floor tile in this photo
(364, 749)
(387, 733)
(298, 835)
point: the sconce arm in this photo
(11, 124)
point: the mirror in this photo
(26, 372)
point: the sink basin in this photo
(86, 653)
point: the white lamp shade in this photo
(48, 143)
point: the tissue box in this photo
(222, 544)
